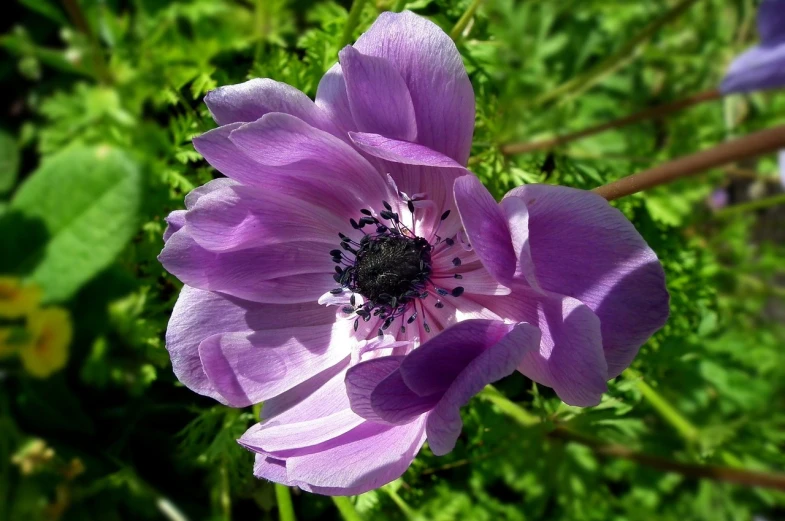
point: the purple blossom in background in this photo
(763, 66)
(351, 274)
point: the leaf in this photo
(9, 161)
(87, 199)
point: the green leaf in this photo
(87, 201)
(9, 161)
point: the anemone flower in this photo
(351, 274)
(763, 66)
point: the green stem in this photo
(752, 205)
(615, 61)
(346, 508)
(464, 20)
(669, 413)
(511, 409)
(284, 500)
(351, 21)
(399, 5)
(398, 500)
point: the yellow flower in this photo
(17, 299)
(51, 333)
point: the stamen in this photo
(456, 262)
(457, 291)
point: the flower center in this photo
(391, 269)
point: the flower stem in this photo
(398, 500)
(660, 111)
(399, 5)
(464, 20)
(511, 409)
(620, 58)
(346, 508)
(752, 205)
(669, 413)
(284, 500)
(351, 21)
(752, 145)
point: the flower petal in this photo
(570, 359)
(241, 217)
(363, 378)
(250, 368)
(378, 97)
(498, 360)
(584, 248)
(267, 274)
(332, 98)
(398, 151)
(757, 69)
(771, 22)
(199, 314)
(363, 459)
(174, 221)
(486, 227)
(433, 71)
(253, 99)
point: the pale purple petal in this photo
(226, 157)
(433, 70)
(378, 97)
(518, 223)
(757, 69)
(174, 221)
(486, 227)
(331, 97)
(584, 248)
(781, 165)
(571, 358)
(250, 368)
(253, 99)
(299, 393)
(257, 274)
(211, 186)
(398, 151)
(241, 217)
(497, 361)
(363, 378)
(363, 459)
(199, 314)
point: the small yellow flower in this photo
(51, 333)
(17, 299)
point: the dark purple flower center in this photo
(389, 267)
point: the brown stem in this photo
(752, 145)
(657, 112)
(750, 478)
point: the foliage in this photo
(95, 150)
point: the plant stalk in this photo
(464, 20)
(346, 508)
(749, 146)
(351, 21)
(284, 499)
(660, 111)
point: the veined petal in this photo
(432, 68)
(250, 368)
(498, 360)
(486, 226)
(399, 151)
(584, 248)
(759, 68)
(199, 314)
(378, 97)
(249, 101)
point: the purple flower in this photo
(763, 66)
(353, 276)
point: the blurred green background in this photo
(100, 102)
